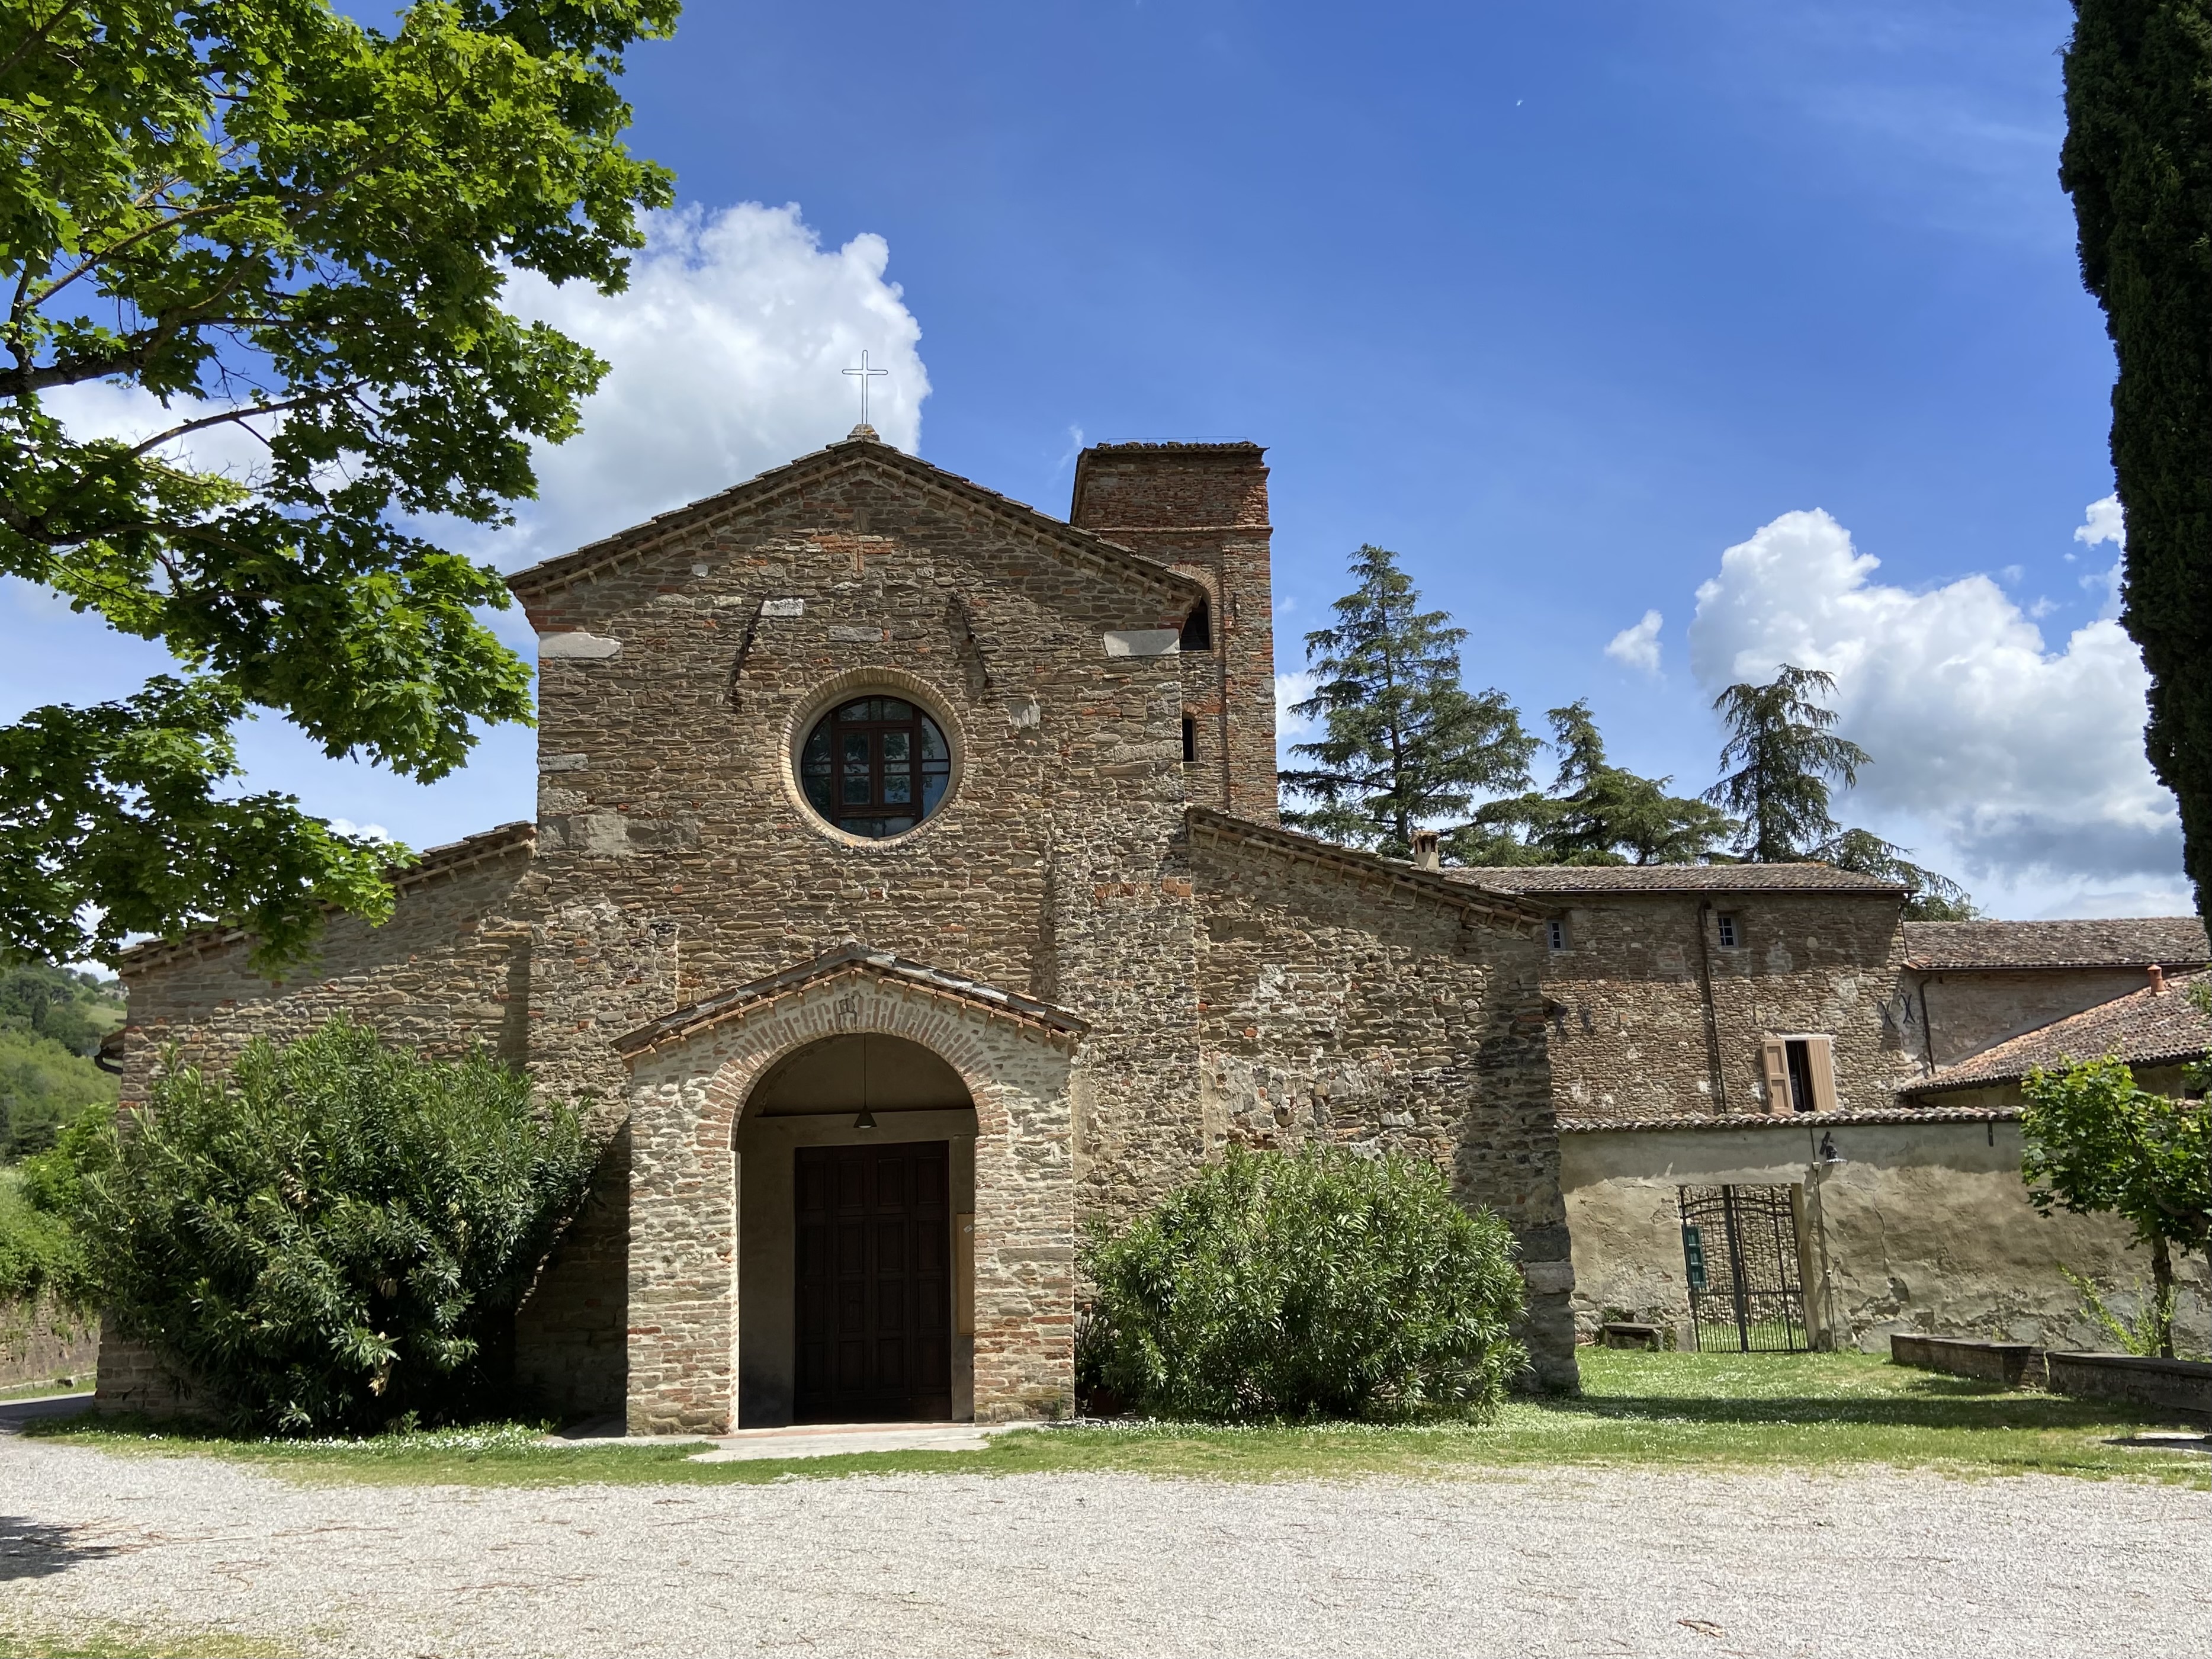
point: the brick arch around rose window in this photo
(690, 1083)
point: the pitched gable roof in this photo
(2134, 942)
(861, 450)
(1500, 908)
(848, 959)
(2155, 1026)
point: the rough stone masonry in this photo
(1097, 938)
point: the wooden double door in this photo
(874, 1283)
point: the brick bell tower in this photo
(1202, 508)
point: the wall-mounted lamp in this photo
(1828, 1152)
(866, 1121)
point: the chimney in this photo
(1201, 509)
(2157, 980)
(1425, 856)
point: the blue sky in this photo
(1559, 302)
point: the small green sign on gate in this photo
(1693, 1255)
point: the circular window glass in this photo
(875, 766)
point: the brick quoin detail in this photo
(687, 1101)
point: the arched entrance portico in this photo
(856, 1193)
(703, 1289)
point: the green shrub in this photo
(39, 1252)
(1323, 1284)
(331, 1238)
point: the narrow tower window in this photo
(1189, 739)
(1198, 627)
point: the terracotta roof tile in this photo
(2151, 1027)
(850, 958)
(1583, 1125)
(2132, 942)
(1673, 878)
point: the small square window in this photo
(1731, 935)
(1555, 935)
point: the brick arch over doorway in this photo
(689, 1081)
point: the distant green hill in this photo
(52, 1020)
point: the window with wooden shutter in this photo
(1774, 1059)
(1820, 1056)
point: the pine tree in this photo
(1783, 746)
(1594, 813)
(2138, 163)
(1404, 745)
(1608, 814)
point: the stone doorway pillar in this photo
(690, 1076)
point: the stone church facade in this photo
(905, 891)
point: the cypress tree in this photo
(2138, 163)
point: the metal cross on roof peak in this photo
(865, 374)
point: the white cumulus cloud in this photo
(1638, 647)
(370, 832)
(2103, 521)
(2027, 761)
(728, 349)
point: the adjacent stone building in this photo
(1976, 984)
(1840, 1088)
(904, 890)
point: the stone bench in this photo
(2014, 1364)
(1622, 1334)
(2181, 1387)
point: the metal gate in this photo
(1739, 1254)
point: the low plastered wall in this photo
(1922, 1226)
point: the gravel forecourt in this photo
(1522, 1562)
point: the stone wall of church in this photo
(450, 971)
(1356, 1012)
(688, 1097)
(1629, 1035)
(671, 706)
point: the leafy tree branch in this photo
(269, 216)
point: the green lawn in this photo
(107, 1639)
(1650, 1410)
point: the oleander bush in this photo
(1323, 1283)
(334, 1237)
